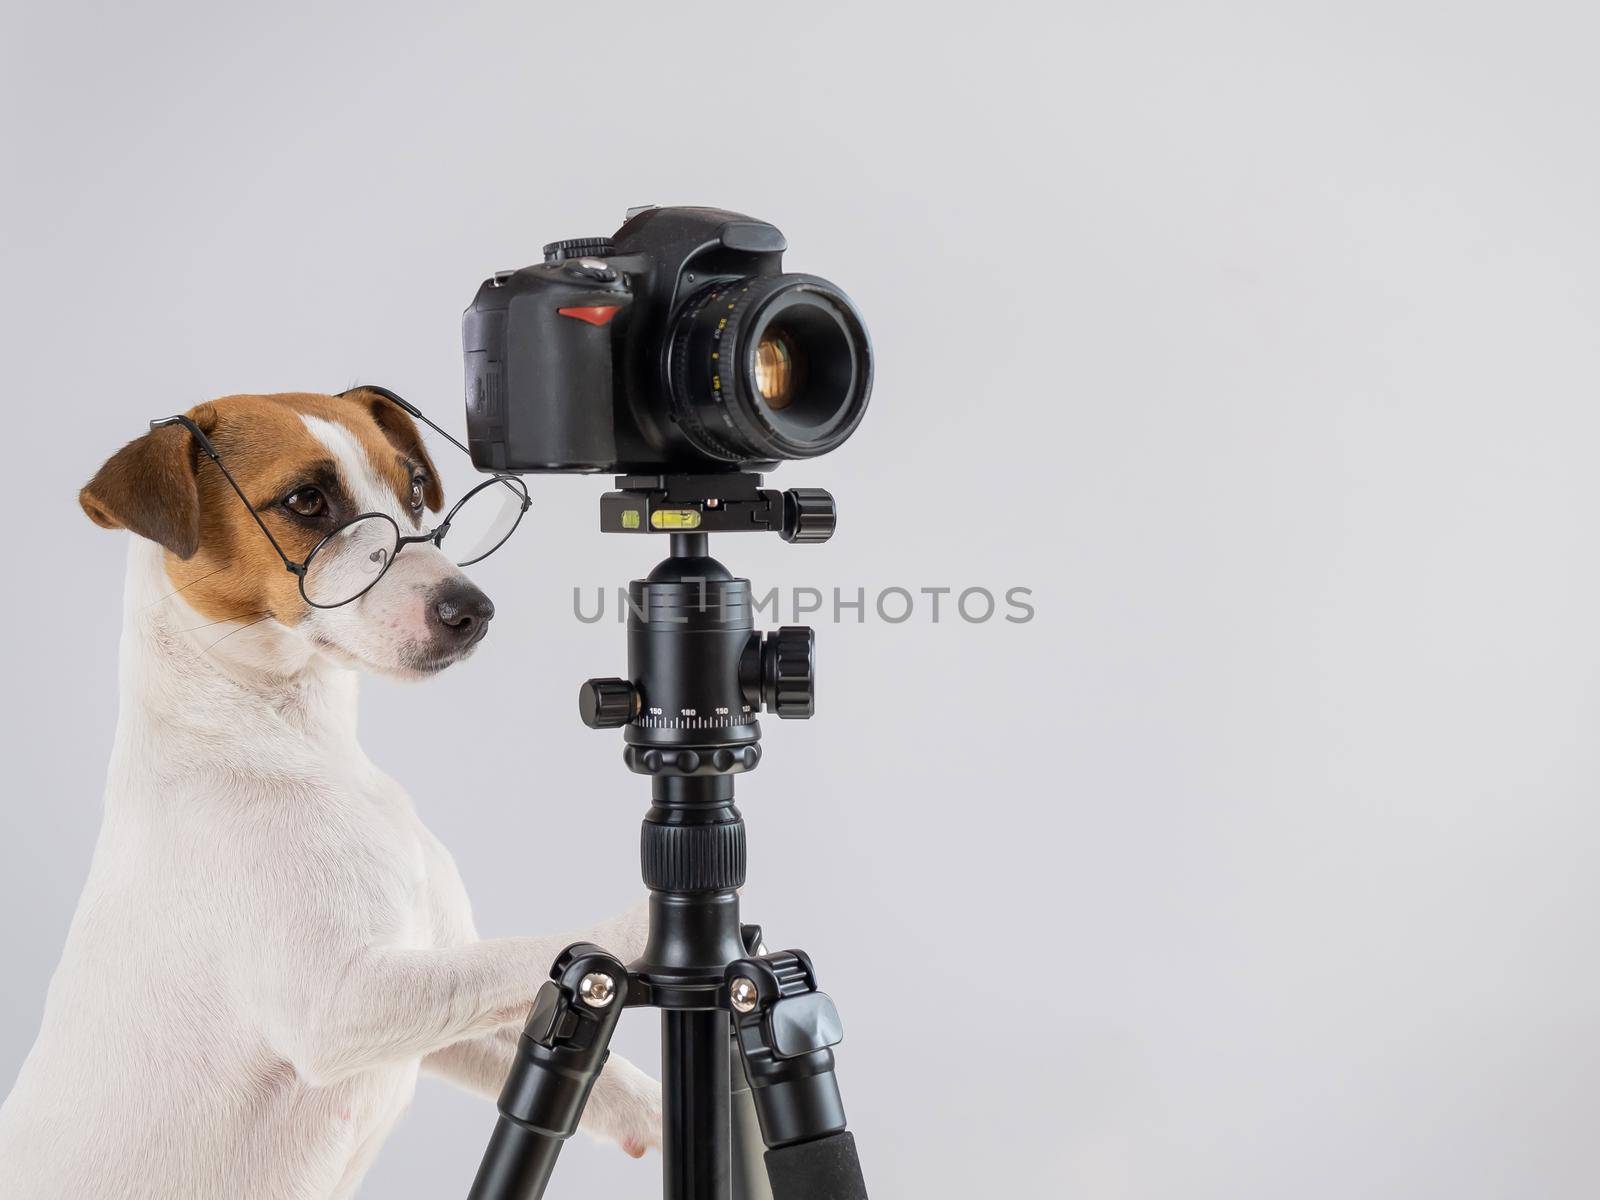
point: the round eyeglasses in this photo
(345, 564)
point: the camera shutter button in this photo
(592, 268)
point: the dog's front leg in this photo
(624, 1107)
(390, 1005)
(336, 1020)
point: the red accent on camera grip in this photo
(594, 314)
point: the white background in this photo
(1258, 340)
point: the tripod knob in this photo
(789, 672)
(607, 703)
(809, 515)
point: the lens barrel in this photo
(769, 367)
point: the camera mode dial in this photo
(589, 247)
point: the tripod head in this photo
(699, 672)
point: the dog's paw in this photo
(625, 1108)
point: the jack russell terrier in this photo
(271, 944)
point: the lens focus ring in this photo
(699, 370)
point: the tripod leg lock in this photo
(786, 1030)
(559, 1056)
(564, 1043)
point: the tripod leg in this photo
(786, 1031)
(559, 1056)
(749, 1170)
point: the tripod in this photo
(746, 1037)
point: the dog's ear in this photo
(405, 437)
(148, 487)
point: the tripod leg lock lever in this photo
(786, 1030)
(563, 1045)
(558, 1058)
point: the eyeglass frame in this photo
(402, 539)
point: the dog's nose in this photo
(462, 610)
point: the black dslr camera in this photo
(676, 346)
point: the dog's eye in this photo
(306, 502)
(417, 486)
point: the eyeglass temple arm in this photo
(416, 412)
(204, 443)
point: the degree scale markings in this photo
(723, 720)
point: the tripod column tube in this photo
(693, 854)
(696, 1130)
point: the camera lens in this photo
(769, 367)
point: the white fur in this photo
(270, 942)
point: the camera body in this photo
(676, 346)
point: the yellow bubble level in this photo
(675, 518)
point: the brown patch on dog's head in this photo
(163, 487)
(404, 436)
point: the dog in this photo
(271, 945)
